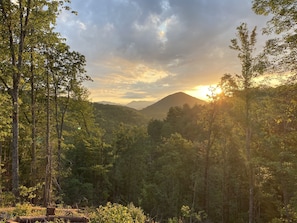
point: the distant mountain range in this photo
(138, 105)
(139, 112)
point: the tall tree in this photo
(173, 170)
(18, 18)
(15, 29)
(87, 159)
(67, 75)
(48, 146)
(244, 44)
(129, 169)
(208, 120)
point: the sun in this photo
(205, 92)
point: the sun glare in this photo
(205, 92)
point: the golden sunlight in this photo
(205, 92)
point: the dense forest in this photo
(233, 159)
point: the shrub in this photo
(118, 213)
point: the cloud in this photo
(126, 72)
(137, 48)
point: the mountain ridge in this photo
(109, 115)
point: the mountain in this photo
(160, 109)
(139, 104)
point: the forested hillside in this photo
(233, 159)
(110, 117)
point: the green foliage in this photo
(118, 213)
(195, 216)
(78, 193)
(174, 220)
(188, 216)
(29, 193)
(136, 213)
(182, 120)
(288, 214)
(172, 175)
(129, 171)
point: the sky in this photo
(144, 50)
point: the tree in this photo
(244, 44)
(173, 168)
(276, 136)
(48, 146)
(281, 54)
(86, 159)
(66, 69)
(207, 122)
(154, 129)
(18, 21)
(280, 50)
(283, 14)
(129, 170)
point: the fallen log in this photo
(11, 221)
(33, 219)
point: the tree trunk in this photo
(225, 186)
(249, 159)
(59, 129)
(210, 140)
(15, 142)
(33, 128)
(48, 171)
(206, 181)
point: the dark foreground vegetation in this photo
(233, 159)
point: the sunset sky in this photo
(147, 49)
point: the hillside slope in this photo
(109, 117)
